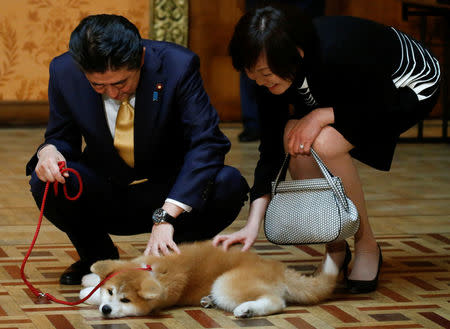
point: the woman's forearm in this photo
(257, 211)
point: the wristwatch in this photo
(161, 216)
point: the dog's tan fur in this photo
(241, 282)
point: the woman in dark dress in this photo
(347, 87)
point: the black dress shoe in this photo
(248, 135)
(365, 286)
(73, 274)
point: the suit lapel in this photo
(147, 109)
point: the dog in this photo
(235, 281)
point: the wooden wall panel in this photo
(211, 26)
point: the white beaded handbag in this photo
(309, 211)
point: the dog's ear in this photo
(105, 267)
(150, 289)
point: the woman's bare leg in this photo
(334, 150)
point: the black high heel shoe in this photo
(347, 259)
(365, 286)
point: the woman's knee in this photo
(331, 144)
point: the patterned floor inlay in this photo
(414, 291)
(409, 211)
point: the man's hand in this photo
(47, 169)
(161, 240)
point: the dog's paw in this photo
(95, 299)
(207, 302)
(90, 280)
(244, 310)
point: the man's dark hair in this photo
(106, 42)
(276, 31)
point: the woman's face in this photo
(264, 77)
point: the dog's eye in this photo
(125, 300)
(110, 292)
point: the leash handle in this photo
(62, 170)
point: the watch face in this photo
(159, 215)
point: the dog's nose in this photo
(106, 309)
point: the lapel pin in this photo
(158, 88)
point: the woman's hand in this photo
(47, 169)
(302, 133)
(246, 236)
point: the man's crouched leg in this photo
(79, 219)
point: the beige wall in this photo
(32, 32)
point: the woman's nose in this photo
(256, 77)
(260, 81)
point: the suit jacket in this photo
(177, 138)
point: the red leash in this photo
(37, 292)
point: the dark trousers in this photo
(105, 208)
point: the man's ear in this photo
(150, 289)
(105, 267)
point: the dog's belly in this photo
(193, 293)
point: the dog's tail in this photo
(304, 289)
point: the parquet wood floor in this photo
(409, 210)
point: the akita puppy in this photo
(240, 282)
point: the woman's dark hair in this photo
(106, 42)
(276, 31)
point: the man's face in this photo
(119, 84)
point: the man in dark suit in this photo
(171, 181)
